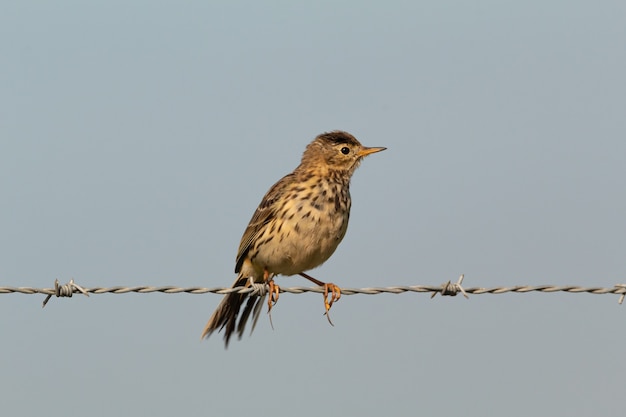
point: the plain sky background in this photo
(137, 138)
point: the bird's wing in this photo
(262, 216)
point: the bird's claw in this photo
(274, 294)
(332, 293)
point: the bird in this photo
(297, 227)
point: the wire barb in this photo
(66, 290)
(623, 292)
(258, 288)
(451, 289)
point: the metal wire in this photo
(445, 289)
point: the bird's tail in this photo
(225, 316)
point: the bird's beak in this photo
(364, 151)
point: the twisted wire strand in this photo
(441, 289)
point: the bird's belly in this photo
(301, 244)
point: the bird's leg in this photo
(335, 293)
(274, 290)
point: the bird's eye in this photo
(345, 150)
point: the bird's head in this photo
(336, 151)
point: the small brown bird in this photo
(297, 227)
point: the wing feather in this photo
(261, 217)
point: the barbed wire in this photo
(447, 289)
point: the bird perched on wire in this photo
(297, 227)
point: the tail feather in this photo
(226, 313)
(252, 306)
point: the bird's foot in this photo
(330, 289)
(274, 293)
(332, 293)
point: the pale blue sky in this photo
(137, 139)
